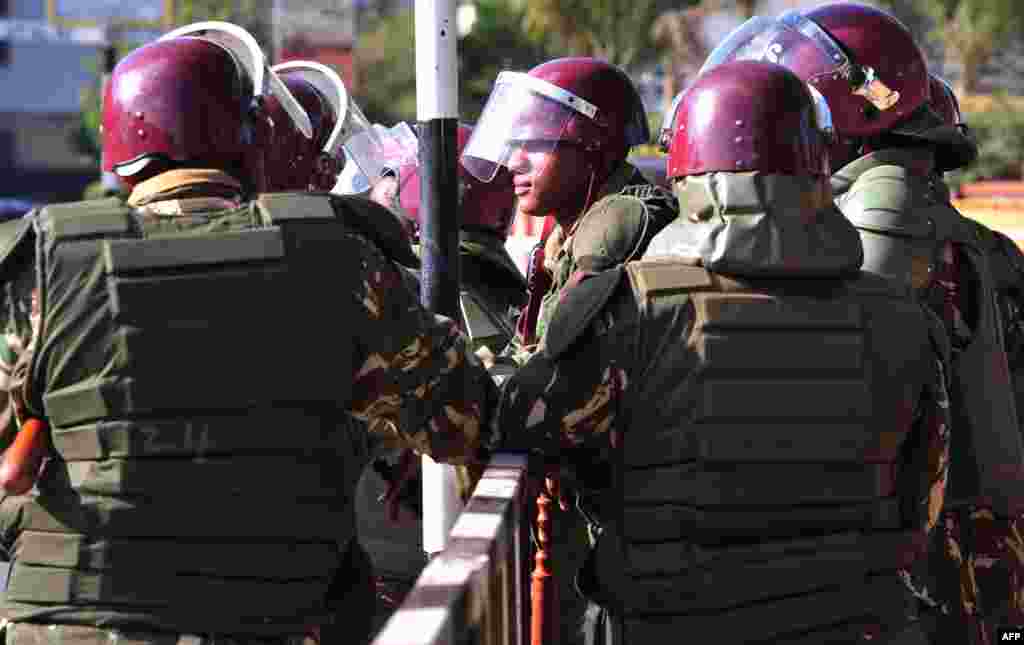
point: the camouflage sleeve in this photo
(19, 315)
(928, 467)
(549, 407)
(417, 384)
(973, 577)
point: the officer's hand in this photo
(403, 496)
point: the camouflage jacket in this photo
(614, 230)
(395, 337)
(974, 579)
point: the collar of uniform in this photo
(919, 161)
(186, 183)
(761, 225)
(626, 174)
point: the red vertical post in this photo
(544, 624)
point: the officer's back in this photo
(196, 371)
(772, 421)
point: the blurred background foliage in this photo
(671, 36)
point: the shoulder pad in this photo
(618, 227)
(884, 200)
(379, 224)
(15, 235)
(282, 207)
(82, 219)
(578, 307)
(665, 276)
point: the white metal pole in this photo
(437, 111)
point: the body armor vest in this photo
(905, 222)
(198, 410)
(759, 477)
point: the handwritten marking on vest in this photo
(195, 439)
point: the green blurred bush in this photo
(999, 131)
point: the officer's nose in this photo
(518, 160)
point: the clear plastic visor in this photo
(522, 112)
(951, 95)
(669, 125)
(822, 115)
(247, 52)
(376, 149)
(330, 86)
(791, 40)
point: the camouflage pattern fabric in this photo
(619, 225)
(978, 557)
(973, 583)
(416, 384)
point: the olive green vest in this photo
(905, 220)
(759, 456)
(196, 382)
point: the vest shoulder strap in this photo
(276, 208)
(100, 217)
(667, 276)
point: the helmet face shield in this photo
(330, 86)
(668, 127)
(252, 59)
(376, 149)
(521, 112)
(800, 44)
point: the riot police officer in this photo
(890, 146)
(759, 428)
(563, 130)
(193, 378)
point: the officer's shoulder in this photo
(613, 230)
(1004, 256)
(378, 223)
(577, 308)
(885, 199)
(367, 218)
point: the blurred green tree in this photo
(971, 31)
(386, 60)
(615, 30)
(251, 14)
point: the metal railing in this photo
(476, 590)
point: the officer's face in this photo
(549, 179)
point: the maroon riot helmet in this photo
(579, 101)
(293, 161)
(750, 115)
(863, 60)
(338, 123)
(485, 206)
(191, 100)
